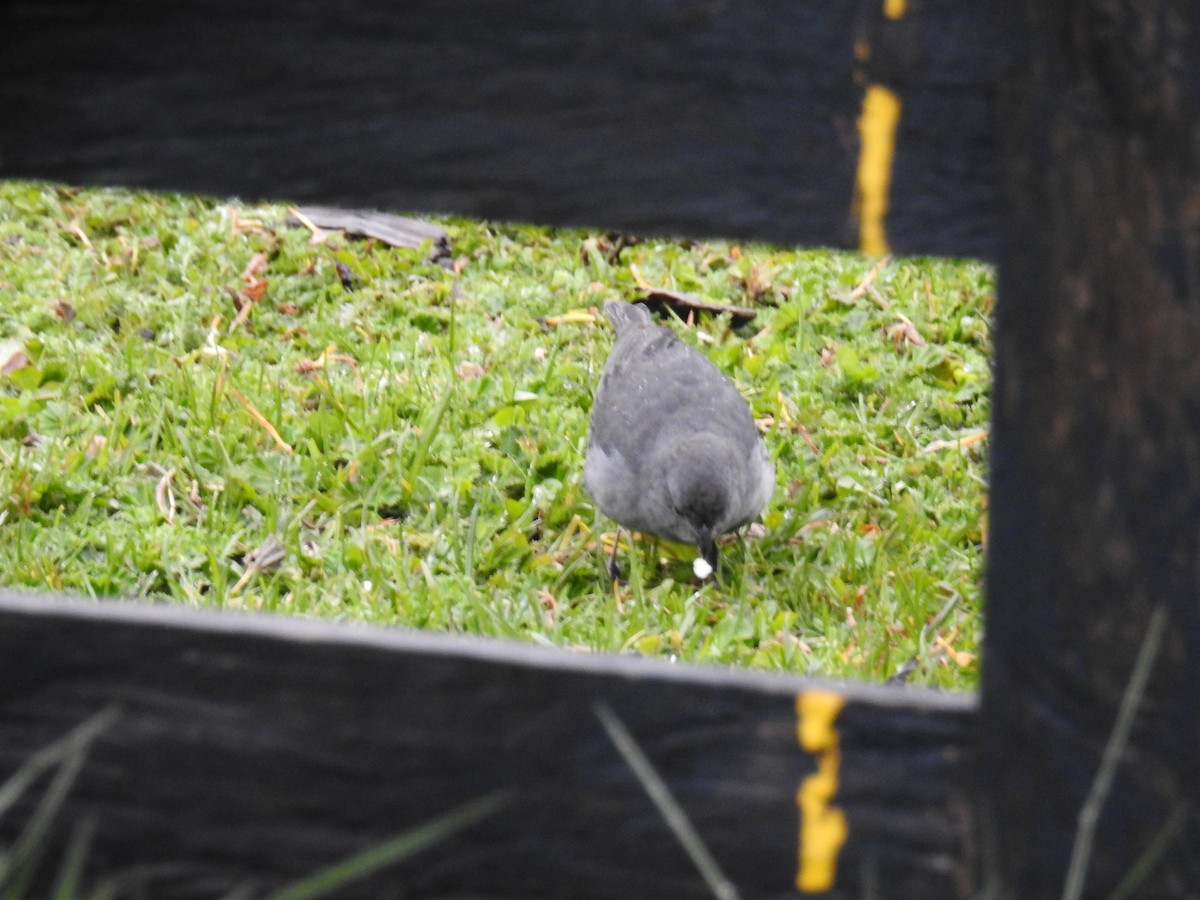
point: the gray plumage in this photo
(672, 450)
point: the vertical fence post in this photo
(1091, 685)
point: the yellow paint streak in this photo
(877, 133)
(894, 9)
(823, 828)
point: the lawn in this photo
(202, 404)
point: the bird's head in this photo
(698, 491)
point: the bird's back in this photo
(656, 387)
(657, 398)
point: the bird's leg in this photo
(613, 567)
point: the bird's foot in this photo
(614, 570)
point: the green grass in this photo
(431, 425)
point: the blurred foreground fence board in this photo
(256, 750)
(731, 118)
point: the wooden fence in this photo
(1059, 139)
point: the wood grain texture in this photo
(1095, 482)
(253, 750)
(732, 117)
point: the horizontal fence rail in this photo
(239, 751)
(745, 118)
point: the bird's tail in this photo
(626, 316)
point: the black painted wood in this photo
(735, 117)
(1095, 494)
(253, 750)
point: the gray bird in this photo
(672, 450)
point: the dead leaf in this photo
(243, 304)
(549, 606)
(240, 226)
(395, 231)
(304, 366)
(255, 289)
(256, 268)
(270, 554)
(571, 317)
(903, 332)
(945, 649)
(16, 360)
(469, 370)
(64, 311)
(687, 306)
(757, 283)
(267, 555)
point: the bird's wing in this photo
(655, 385)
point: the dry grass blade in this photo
(319, 235)
(958, 443)
(676, 819)
(1093, 805)
(270, 554)
(164, 497)
(863, 286)
(280, 443)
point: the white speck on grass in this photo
(701, 567)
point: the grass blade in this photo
(68, 754)
(1161, 843)
(70, 870)
(395, 850)
(1110, 759)
(722, 888)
